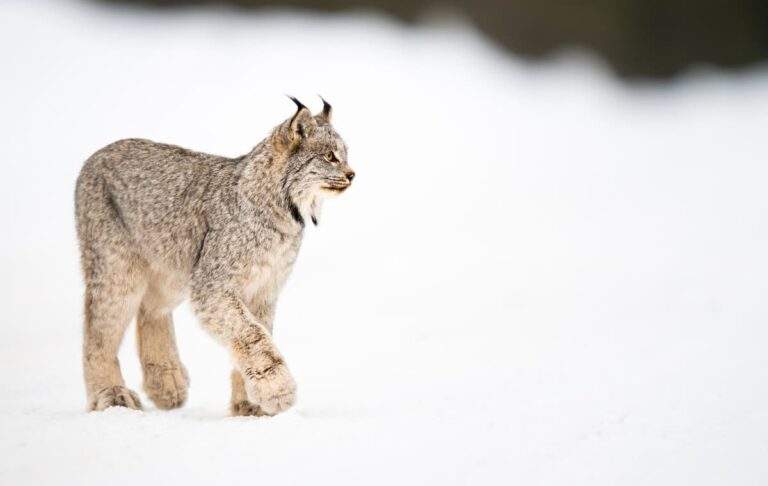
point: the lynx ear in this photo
(301, 123)
(325, 115)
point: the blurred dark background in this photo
(638, 38)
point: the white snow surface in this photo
(541, 275)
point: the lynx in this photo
(159, 223)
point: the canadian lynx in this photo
(157, 223)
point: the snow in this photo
(540, 276)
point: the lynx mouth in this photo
(334, 189)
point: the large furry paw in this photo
(115, 396)
(272, 389)
(244, 408)
(165, 385)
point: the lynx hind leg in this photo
(239, 404)
(165, 378)
(111, 302)
(115, 279)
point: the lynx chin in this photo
(157, 223)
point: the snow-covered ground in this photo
(540, 276)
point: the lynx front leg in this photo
(217, 282)
(263, 309)
(267, 381)
(239, 404)
(165, 378)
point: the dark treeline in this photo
(639, 38)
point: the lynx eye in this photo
(331, 157)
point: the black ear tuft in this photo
(325, 115)
(301, 122)
(299, 104)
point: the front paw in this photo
(244, 408)
(272, 389)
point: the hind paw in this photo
(166, 386)
(115, 396)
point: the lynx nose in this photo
(350, 175)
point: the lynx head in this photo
(315, 159)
